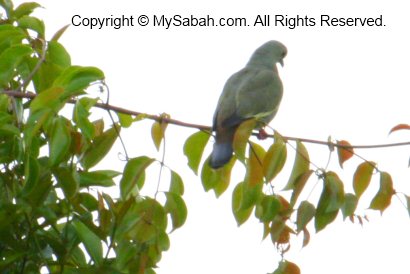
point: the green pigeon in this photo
(253, 92)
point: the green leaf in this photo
(241, 215)
(383, 197)
(194, 147)
(362, 177)
(10, 35)
(134, 171)
(10, 59)
(8, 6)
(31, 174)
(102, 178)
(349, 205)
(299, 184)
(176, 207)
(125, 119)
(58, 55)
(177, 185)
(75, 79)
(60, 140)
(305, 213)
(59, 33)
(48, 99)
(300, 166)
(100, 147)
(343, 153)
(408, 203)
(330, 201)
(91, 241)
(268, 208)
(240, 139)
(33, 23)
(67, 181)
(81, 114)
(216, 179)
(275, 159)
(25, 9)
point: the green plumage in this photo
(253, 92)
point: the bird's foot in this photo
(262, 135)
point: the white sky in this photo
(351, 83)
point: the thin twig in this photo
(30, 95)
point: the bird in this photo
(254, 92)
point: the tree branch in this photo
(30, 95)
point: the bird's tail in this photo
(222, 151)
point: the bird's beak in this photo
(281, 63)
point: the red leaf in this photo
(344, 152)
(400, 127)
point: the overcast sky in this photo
(348, 82)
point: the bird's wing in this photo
(249, 93)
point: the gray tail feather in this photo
(221, 154)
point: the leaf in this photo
(300, 166)
(383, 197)
(330, 201)
(33, 23)
(10, 59)
(241, 215)
(306, 237)
(125, 119)
(399, 127)
(286, 267)
(280, 232)
(343, 152)
(48, 99)
(274, 159)
(58, 55)
(66, 181)
(81, 114)
(59, 33)
(134, 171)
(75, 79)
(9, 36)
(100, 146)
(91, 241)
(268, 208)
(254, 169)
(177, 185)
(299, 184)
(194, 147)
(305, 214)
(60, 140)
(157, 132)
(102, 178)
(25, 9)
(408, 203)
(349, 205)
(240, 139)
(216, 179)
(175, 205)
(362, 177)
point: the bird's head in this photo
(269, 54)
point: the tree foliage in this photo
(55, 211)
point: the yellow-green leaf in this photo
(134, 171)
(216, 179)
(60, 140)
(100, 146)
(242, 134)
(194, 147)
(300, 166)
(91, 241)
(286, 267)
(305, 214)
(299, 184)
(10, 59)
(177, 185)
(50, 98)
(383, 197)
(125, 119)
(362, 177)
(268, 208)
(241, 215)
(349, 205)
(157, 133)
(254, 167)
(176, 207)
(330, 201)
(32, 23)
(25, 9)
(344, 153)
(275, 159)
